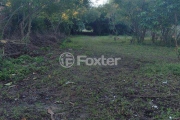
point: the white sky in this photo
(98, 2)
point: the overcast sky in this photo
(98, 2)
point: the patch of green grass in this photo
(168, 114)
(161, 69)
(107, 45)
(17, 69)
(133, 89)
(69, 45)
(45, 48)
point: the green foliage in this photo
(43, 15)
(70, 45)
(153, 15)
(168, 114)
(161, 69)
(138, 16)
(17, 69)
(105, 20)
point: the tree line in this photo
(158, 18)
(23, 17)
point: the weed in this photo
(17, 69)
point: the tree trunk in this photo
(22, 27)
(153, 36)
(142, 35)
(164, 35)
(136, 32)
(29, 30)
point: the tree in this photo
(24, 11)
(131, 12)
(31, 15)
(96, 18)
(165, 20)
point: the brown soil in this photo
(17, 48)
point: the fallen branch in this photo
(13, 55)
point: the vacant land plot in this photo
(144, 85)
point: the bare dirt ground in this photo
(88, 93)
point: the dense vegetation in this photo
(159, 18)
